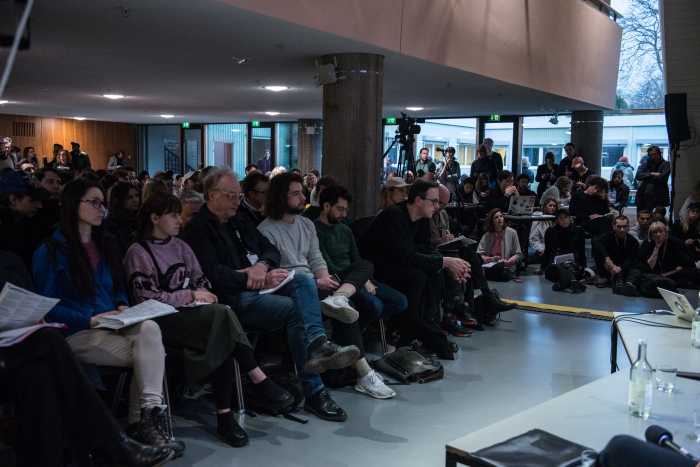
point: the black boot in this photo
(268, 396)
(330, 356)
(153, 430)
(577, 287)
(230, 430)
(495, 304)
(321, 405)
(123, 451)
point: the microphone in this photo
(659, 435)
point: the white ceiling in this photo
(175, 57)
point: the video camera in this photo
(407, 129)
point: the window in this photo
(611, 155)
(466, 154)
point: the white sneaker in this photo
(338, 307)
(373, 384)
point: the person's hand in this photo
(41, 321)
(458, 267)
(256, 276)
(511, 190)
(690, 241)
(94, 321)
(204, 296)
(510, 262)
(538, 271)
(447, 238)
(369, 287)
(616, 270)
(327, 283)
(594, 216)
(544, 176)
(122, 308)
(568, 172)
(655, 174)
(275, 278)
(670, 273)
(552, 176)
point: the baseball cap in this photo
(190, 174)
(396, 182)
(76, 143)
(12, 182)
(576, 162)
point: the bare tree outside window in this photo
(640, 83)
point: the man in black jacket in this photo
(522, 184)
(653, 177)
(398, 243)
(590, 207)
(239, 262)
(615, 253)
(499, 196)
(565, 163)
(255, 188)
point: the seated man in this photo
(239, 261)
(397, 242)
(337, 244)
(313, 211)
(590, 207)
(615, 253)
(499, 196)
(254, 187)
(580, 175)
(641, 229)
(295, 237)
(522, 183)
(462, 304)
(192, 202)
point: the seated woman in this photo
(161, 267)
(561, 239)
(81, 266)
(122, 218)
(687, 229)
(621, 190)
(499, 245)
(482, 187)
(469, 194)
(560, 192)
(549, 207)
(395, 190)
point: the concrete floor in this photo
(497, 373)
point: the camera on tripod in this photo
(407, 129)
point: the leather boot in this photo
(321, 405)
(153, 430)
(330, 356)
(123, 451)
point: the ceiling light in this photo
(525, 124)
(3, 102)
(276, 88)
(167, 116)
(555, 144)
(79, 118)
(414, 109)
(568, 132)
(438, 137)
(466, 132)
(646, 144)
(236, 130)
(272, 113)
(113, 96)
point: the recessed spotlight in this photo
(272, 113)
(113, 96)
(276, 88)
(79, 118)
(167, 116)
(414, 109)
(3, 102)
(236, 131)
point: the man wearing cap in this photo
(627, 171)
(189, 180)
(264, 163)
(22, 230)
(451, 171)
(580, 174)
(81, 160)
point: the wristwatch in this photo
(264, 263)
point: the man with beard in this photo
(50, 180)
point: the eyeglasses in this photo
(262, 192)
(232, 196)
(436, 202)
(341, 209)
(96, 202)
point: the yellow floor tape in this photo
(566, 309)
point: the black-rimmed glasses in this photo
(96, 202)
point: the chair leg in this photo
(239, 388)
(382, 333)
(118, 393)
(166, 399)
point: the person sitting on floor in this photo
(81, 266)
(549, 207)
(239, 261)
(562, 239)
(640, 231)
(500, 246)
(499, 196)
(659, 215)
(522, 183)
(615, 253)
(590, 207)
(560, 192)
(620, 189)
(295, 238)
(254, 189)
(687, 229)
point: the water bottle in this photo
(695, 333)
(641, 388)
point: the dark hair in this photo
(622, 218)
(332, 194)
(316, 172)
(82, 275)
(570, 144)
(163, 176)
(275, 205)
(489, 220)
(560, 212)
(120, 151)
(101, 173)
(599, 182)
(521, 176)
(108, 181)
(26, 150)
(88, 174)
(660, 210)
(129, 169)
(328, 180)
(142, 175)
(658, 149)
(250, 166)
(119, 193)
(468, 180)
(421, 150)
(41, 173)
(616, 172)
(152, 185)
(120, 173)
(158, 203)
(450, 149)
(504, 175)
(482, 149)
(549, 155)
(295, 170)
(420, 188)
(488, 139)
(252, 180)
(644, 212)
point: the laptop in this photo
(678, 304)
(521, 205)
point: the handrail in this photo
(604, 8)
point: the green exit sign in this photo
(494, 118)
(185, 124)
(391, 121)
(255, 123)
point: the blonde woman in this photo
(394, 191)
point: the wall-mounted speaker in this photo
(677, 118)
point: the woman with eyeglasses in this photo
(161, 267)
(81, 266)
(122, 219)
(500, 246)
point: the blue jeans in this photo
(387, 302)
(295, 306)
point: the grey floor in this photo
(497, 373)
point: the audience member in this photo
(117, 161)
(143, 177)
(430, 176)
(122, 215)
(499, 245)
(107, 183)
(30, 154)
(451, 171)
(81, 266)
(264, 164)
(209, 333)
(615, 253)
(482, 188)
(122, 175)
(560, 192)
(687, 229)
(525, 169)
(494, 156)
(408, 177)
(240, 261)
(693, 198)
(423, 164)
(255, 188)
(546, 174)
(469, 193)
(659, 215)
(562, 239)
(652, 177)
(641, 230)
(580, 175)
(63, 166)
(590, 207)
(313, 211)
(151, 185)
(484, 165)
(620, 189)
(8, 158)
(249, 168)
(565, 164)
(309, 184)
(167, 177)
(191, 201)
(25, 165)
(189, 180)
(499, 196)
(627, 171)
(387, 169)
(523, 187)
(393, 191)
(539, 228)
(50, 181)
(81, 160)
(276, 171)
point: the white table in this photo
(591, 415)
(664, 346)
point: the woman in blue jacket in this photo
(80, 265)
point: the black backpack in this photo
(288, 381)
(648, 283)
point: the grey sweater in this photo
(297, 242)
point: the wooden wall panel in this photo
(99, 139)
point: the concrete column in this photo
(352, 127)
(309, 144)
(587, 136)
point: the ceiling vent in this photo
(23, 129)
